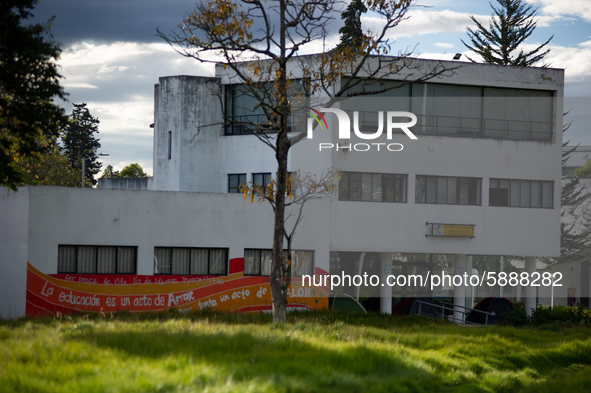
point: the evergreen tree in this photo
(351, 32)
(512, 23)
(29, 81)
(80, 143)
(575, 227)
(109, 173)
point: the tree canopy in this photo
(511, 24)
(29, 82)
(133, 170)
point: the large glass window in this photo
(448, 190)
(190, 261)
(96, 260)
(244, 112)
(258, 262)
(372, 187)
(520, 193)
(457, 110)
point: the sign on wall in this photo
(70, 293)
(451, 230)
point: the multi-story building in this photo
(482, 178)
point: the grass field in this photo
(314, 352)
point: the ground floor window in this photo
(257, 262)
(190, 261)
(97, 260)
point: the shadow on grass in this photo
(274, 358)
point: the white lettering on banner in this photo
(79, 300)
(181, 297)
(240, 294)
(47, 292)
(299, 292)
(159, 301)
(207, 304)
(262, 291)
(143, 301)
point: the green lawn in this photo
(314, 352)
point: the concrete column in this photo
(459, 290)
(469, 289)
(386, 290)
(530, 292)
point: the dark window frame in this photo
(96, 247)
(267, 177)
(457, 193)
(550, 182)
(226, 250)
(259, 264)
(237, 188)
(345, 177)
(467, 127)
(230, 94)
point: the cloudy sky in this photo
(112, 57)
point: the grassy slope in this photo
(314, 352)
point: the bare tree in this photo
(259, 43)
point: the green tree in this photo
(29, 82)
(351, 32)
(109, 173)
(270, 35)
(81, 144)
(575, 226)
(49, 168)
(512, 23)
(133, 170)
(585, 170)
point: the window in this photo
(261, 179)
(96, 260)
(191, 261)
(447, 190)
(234, 182)
(372, 187)
(520, 193)
(243, 111)
(258, 262)
(457, 110)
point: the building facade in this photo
(482, 177)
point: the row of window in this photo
(441, 109)
(173, 260)
(235, 180)
(444, 190)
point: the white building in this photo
(486, 163)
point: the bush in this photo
(516, 316)
(544, 315)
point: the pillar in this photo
(530, 291)
(385, 289)
(469, 288)
(459, 290)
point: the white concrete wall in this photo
(14, 232)
(189, 108)
(36, 220)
